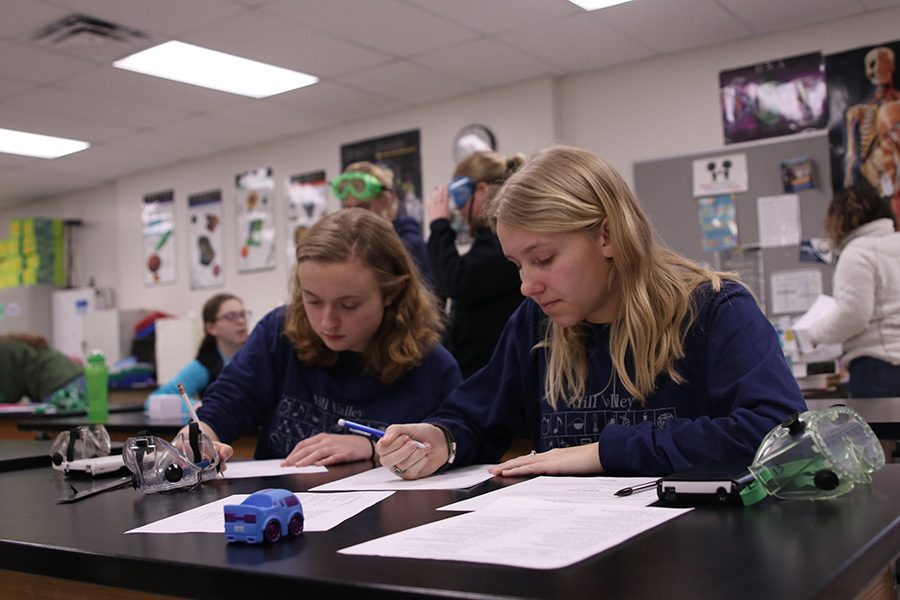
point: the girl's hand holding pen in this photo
(412, 451)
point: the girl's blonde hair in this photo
(563, 189)
(384, 175)
(411, 326)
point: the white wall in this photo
(521, 117)
(645, 110)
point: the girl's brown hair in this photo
(412, 324)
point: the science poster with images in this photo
(158, 219)
(205, 228)
(305, 201)
(864, 116)
(774, 98)
(718, 222)
(401, 153)
(255, 220)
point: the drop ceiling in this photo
(372, 57)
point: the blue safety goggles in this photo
(461, 190)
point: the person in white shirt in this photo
(866, 287)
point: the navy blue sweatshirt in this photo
(738, 388)
(266, 390)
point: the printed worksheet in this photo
(521, 532)
(383, 479)
(568, 489)
(321, 512)
(265, 468)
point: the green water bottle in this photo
(96, 381)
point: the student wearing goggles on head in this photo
(366, 185)
(226, 327)
(483, 286)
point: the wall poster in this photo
(774, 98)
(205, 251)
(255, 222)
(158, 219)
(305, 201)
(400, 153)
(723, 174)
(718, 222)
(865, 118)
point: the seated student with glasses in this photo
(359, 339)
(366, 185)
(225, 326)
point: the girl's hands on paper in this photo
(579, 460)
(329, 449)
(412, 451)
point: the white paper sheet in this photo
(383, 479)
(795, 291)
(321, 512)
(521, 532)
(779, 220)
(594, 490)
(820, 309)
(264, 468)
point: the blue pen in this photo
(377, 433)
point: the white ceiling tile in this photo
(24, 18)
(156, 17)
(271, 117)
(217, 134)
(876, 4)
(578, 43)
(58, 125)
(338, 101)
(775, 15)
(387, 25)
(148, 91)
(494, 16)
(31, 63)
(405, 81)
(286, 45)
(486, 60)
(10, 86)
(168, 148)
(92, 107)
(675, 25)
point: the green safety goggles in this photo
(363, 186)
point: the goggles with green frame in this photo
(363, 186)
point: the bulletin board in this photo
(665, 189)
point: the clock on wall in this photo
(472, 138)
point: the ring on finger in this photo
(532, 453)
(398, 471)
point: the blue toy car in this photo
(266, 516)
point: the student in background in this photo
(626, 358)
(866, 287)
(225, 332)
(366, 185)
(359, 340)
(30, 367)
(482, 285)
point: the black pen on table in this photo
(643, 487)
